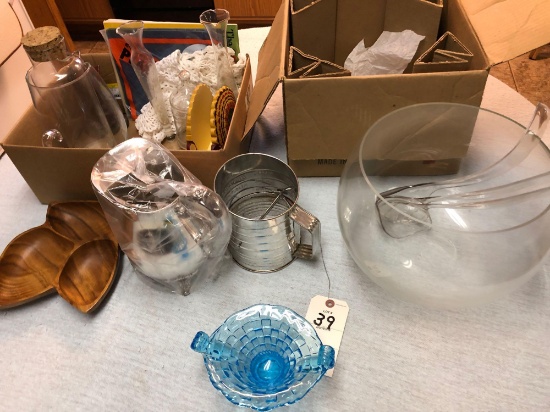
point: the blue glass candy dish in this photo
(264, 357)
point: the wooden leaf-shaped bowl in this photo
(73, 252)
(30, 264)
(79, 221)
(88, 274)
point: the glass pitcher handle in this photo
(52, 138)
(310, 223)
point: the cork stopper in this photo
(44, 44)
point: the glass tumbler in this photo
(179, 104)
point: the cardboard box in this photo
(57, 174)
(325, 117)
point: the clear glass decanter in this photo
(215, 21)
(75, 105)
(146, 70)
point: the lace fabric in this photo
(201, 65)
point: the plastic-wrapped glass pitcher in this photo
(173, 229)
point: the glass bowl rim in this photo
(427, 104)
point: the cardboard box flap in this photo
(357, 20)
(421, 16)
(238, 121)
(509, 28)
(272, 58)
(312, 24)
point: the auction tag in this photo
(328, 317)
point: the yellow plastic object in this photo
(198, 118)
(221, 112)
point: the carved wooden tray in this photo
(74, 253)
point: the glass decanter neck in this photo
(215, 22)
(131, 32)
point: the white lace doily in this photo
(201, 65)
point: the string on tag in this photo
(329, 302)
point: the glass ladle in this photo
(405, 210)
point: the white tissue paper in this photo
(390, 54)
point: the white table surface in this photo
(133, 353)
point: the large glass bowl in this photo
(447, 205)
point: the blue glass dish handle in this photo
(201, 344)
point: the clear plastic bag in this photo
(173, 229)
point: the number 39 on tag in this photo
(328, 317)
